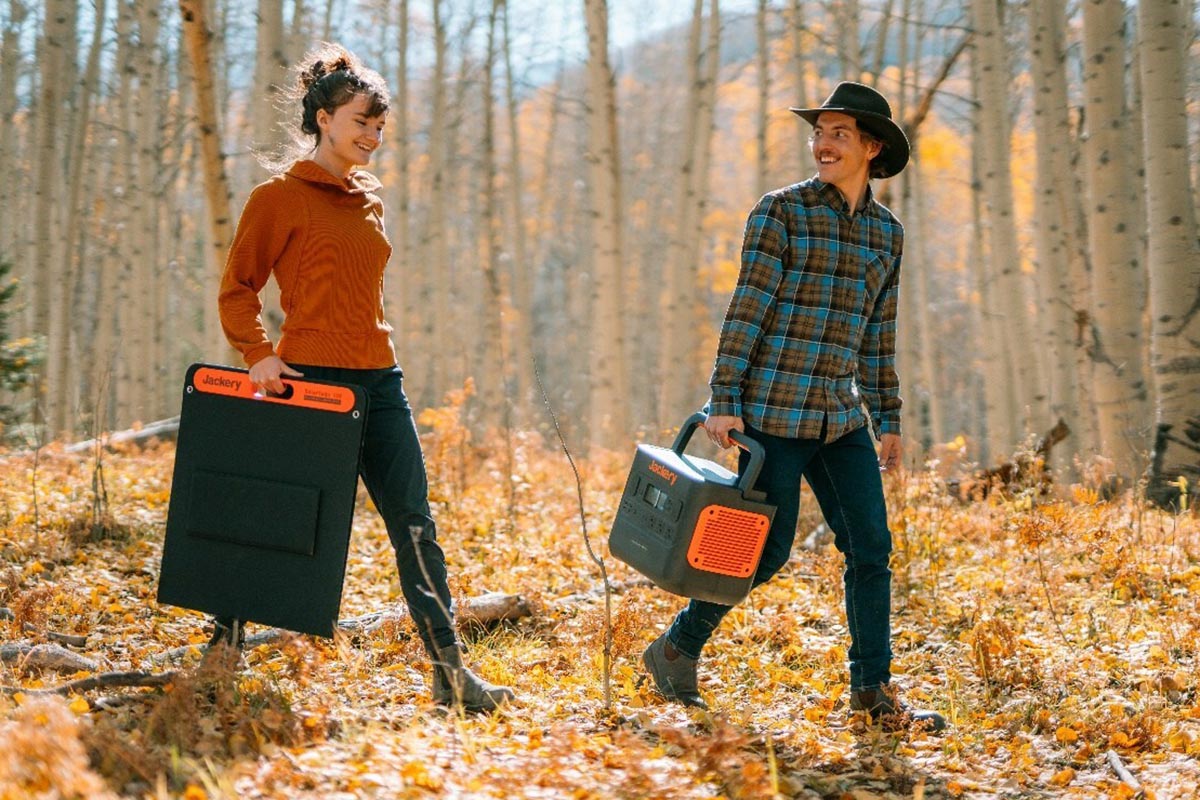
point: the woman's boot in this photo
(455, 684)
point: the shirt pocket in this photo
(874, 277)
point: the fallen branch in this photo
(105, 679)
(163, 429)
(1122, 771)
(481, 610)
(46, 656)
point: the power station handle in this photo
(757, 455)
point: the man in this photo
(810, 334)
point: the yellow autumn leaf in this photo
(79, 705)
(1063, 777)
(194, 792)
(1123, 792)
(1066, 734)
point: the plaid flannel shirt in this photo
(810, 332)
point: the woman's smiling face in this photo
(348, 135)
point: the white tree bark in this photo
(1058, 264)
(608, 403)
(1173, 251)
(1016, 369)
(197, 36)
(1118, 285)
(47, 273)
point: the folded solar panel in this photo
(262, 499)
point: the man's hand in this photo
(266, 374)
(891, 451)
(718, 428)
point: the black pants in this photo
(844, 476)
(392, 468)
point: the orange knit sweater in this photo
(324, 240)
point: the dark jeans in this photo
(393, 470)
(844, 476)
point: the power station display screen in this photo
(655, 497)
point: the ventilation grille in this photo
(728, 541)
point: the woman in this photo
(318, 227)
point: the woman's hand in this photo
(266, 374)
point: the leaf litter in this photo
(1050, 631)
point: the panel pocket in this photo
(254, 512)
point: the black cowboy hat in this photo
(874, 116)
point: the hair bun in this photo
(332, 59)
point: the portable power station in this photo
(690, 525)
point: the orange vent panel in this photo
(728, 541)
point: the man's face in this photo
(842, 154)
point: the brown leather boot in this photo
(674, 673)
(454, 683)
(883, 708)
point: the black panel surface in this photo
(262, 500)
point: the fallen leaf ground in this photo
(1049, 632)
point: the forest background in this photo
(572, 195)
(554, 198)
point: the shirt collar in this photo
(357, 182)
(832, 197)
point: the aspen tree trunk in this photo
(1017, 369)
(522, 270)
(491, 367)
(683, 369)
(930, 352)
(68, 361)
(270, 78)
(114, 339)
(10, 69)
(762, 167)
(327, 22)
(846, 16)
(800, 62)
(464, 292)
(1118, 285)
(881, 38)
(549, 291)
(609, 384)
(300, 33)
(435, 276)
(197, 38)
(145, 321)
(673, 352)
(913, 389)
(992, 344)
(401, 283)
(1174, 254)
(174, 299)
(1053, 227)
(914, 345)
(270, 73)
(47, 272)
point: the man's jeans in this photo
(393, 470)
(844, 476)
